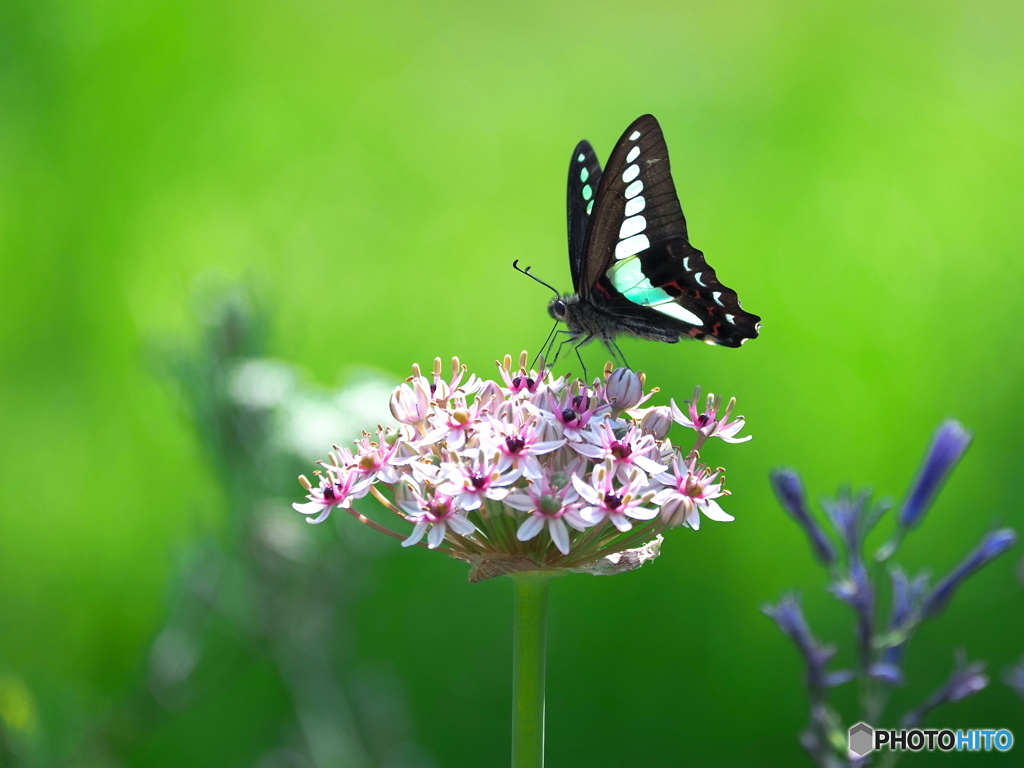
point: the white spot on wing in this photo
(680, 313)
(631, 246)
(581, 158)
(634, 153)
(686, 263)
(630, 173)
(634, 135)
(700, 282)
(590, 207)
(634, 189)
(730, 319)
(634, 206)
(717, 296)
(634, 225)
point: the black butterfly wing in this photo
(584, 176)
(638, 261)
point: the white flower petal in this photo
(461, 525)
(713, 511)
(586, 490)
(416, 535)
(530, 527)
(589, 450)
(309, 507)
(546, 446)
(559, 535)
(620, 521)
(520, 501)
(436, 535)
(642, 513)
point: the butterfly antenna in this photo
(517, 268)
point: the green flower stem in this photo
(528, 668)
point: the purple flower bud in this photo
(993, 545)
(790, 617)
(625, 388)
(948, 445)
(791, 494)
(657, 422)
(889, 674)
(832, 679)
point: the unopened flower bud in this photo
(409, 404)
(624, 388)
(657, 422)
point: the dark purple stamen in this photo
(612, 501)
(703, 420)
(329, 493)
(569, 415)
(620, 451)
(522, 382)
(580, 402)
(514, 444)
(478, 482)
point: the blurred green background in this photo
(854, 170)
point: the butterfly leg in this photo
(614, 349)
(548, 359)
(579, 356)
(558, 352)
(545, 348)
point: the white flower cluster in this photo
(482, 467)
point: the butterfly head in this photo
(560, 308)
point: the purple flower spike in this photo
(967, 679)
(991, 547)
(790, 491)
(949, 444)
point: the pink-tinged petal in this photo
(546, 446)
(572, 517)
(713, 511)
(679, 417)
(693, 519)
(532, 469)
(432, 436)
(416, 535)
(310, 507)
(593, 515)
(642, 513)
(508, 479)
(436, 535)
(663, 496)
(461, 525)
(735, 439)
(530, 528)
(559, 535)
(648, 466)
(324, 514)
(667, 478)
(586, 491)
(468, 501)
(620, 522)
(520, 501)
(591, 451)
(496, 493)
(409, 506)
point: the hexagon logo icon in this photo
(862, 739)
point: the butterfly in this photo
(634, 271)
